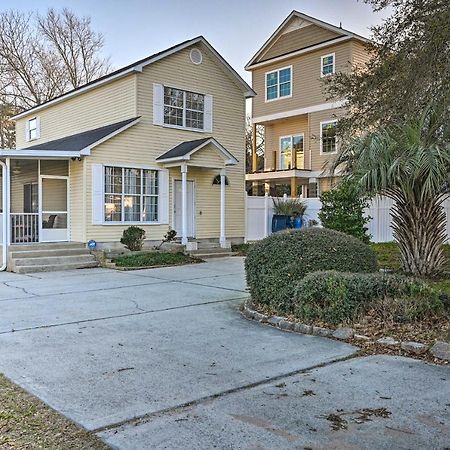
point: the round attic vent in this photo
(196, 56)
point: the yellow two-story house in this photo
(291, 103)
(159, 143)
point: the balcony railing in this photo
(24, 228)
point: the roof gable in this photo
(298, 32)
(137, 67)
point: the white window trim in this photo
(278, 84)
(291, 137)
(321, 140)
(184, 108)
(28, 129)
(123, 222)
(322, 75)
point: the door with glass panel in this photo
(53, 215)
(291, 152)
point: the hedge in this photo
(276, 264)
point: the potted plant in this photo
(288, 213)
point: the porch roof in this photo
(183, 151)
(73, 146)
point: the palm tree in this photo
(409, 163)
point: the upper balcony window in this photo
(32, 129)
(327, 65)
(183, 108)
(279, 84)
(328, 137)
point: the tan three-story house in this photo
(299, 122)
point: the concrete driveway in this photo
(162, 358)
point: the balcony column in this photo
(254, 159)
(293, 187)
(184, 238)
(223, 239)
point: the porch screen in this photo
(131, 194)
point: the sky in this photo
(134, 29)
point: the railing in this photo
(24, 228)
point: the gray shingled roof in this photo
(183, 149)
(79, 141)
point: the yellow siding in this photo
(143, 143)
(360, 54)
(298, 39)
(207, 157)
(104, 105)
(286, 127)
(307, 85)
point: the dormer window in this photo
(327, 65)
(32, 131)
(279, 84)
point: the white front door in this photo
(190, 209)
(53, 211)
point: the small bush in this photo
(336, 297)
(150, 259)
(133, 238)
(276, 264)
(343, 210)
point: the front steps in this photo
(210, 249)
(30, 258)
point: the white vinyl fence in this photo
(260, 212)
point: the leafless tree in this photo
(42, 57)
(259, 146)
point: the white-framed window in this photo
(328, 137)
(279, 83)
(292, 152)
(32, 129)
(130, 194)
(327, 65)
(183, 108)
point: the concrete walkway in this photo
(162, 358)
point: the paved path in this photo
(162, 358)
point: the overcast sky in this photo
(134, 29)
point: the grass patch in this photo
(27, 423)
(154, 259)
(241, 249)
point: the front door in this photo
(53, 214)
(190, 209)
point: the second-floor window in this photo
(328, 137)
(279, 83)
(291, 152)
(183, 108)
(32, 129)
(327, 66)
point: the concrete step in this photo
(205, 255)
(46, 246)
(207, 245)
(53, 260)
(54, 268)
(209, 250)
(48, 252)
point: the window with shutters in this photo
(183, 108)
(131, 195)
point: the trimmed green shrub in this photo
(343, 210)
(337, 298)
(133, 238)
(276, 264)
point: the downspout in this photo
(5, 176)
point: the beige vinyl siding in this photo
(307, 85)
(104, 105)
(141, 144)
(318, 161)
(360, 54)
(298, 39)
(288, 127)
(325, 184)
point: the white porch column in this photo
(223, 240)
(184, 237)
